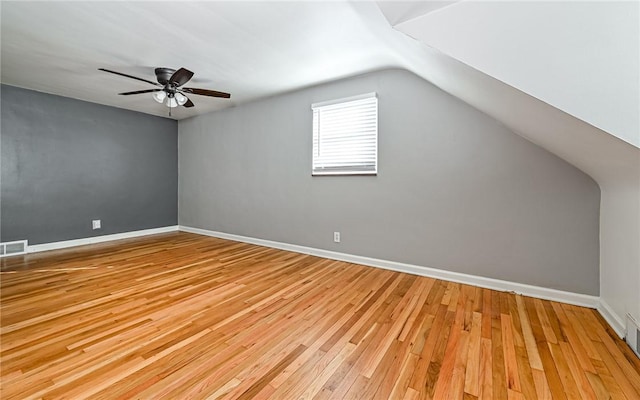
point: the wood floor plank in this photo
(472, 373)
(500, 384)
(527, 333)
(486, 376)
(181, 315)
(445, 374)
(549, 371)
(509, 354)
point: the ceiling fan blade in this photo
(206, 92)
(129, 76)
(188, 104)
(181, 76)
(141, 91)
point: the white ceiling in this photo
(250, 49)
(401, 11)
(581, 57)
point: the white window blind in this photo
(345, 136)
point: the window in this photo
(345, 136)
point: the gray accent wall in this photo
(456, 190)
(66, 162)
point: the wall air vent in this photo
(633, 334)
(13, 248)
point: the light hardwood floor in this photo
(180, 316)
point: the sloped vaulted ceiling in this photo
(580, 57)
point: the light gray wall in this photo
(455, 189)
(66, 162)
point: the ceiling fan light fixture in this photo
(159, 96)
(181, 98)
(171, 102)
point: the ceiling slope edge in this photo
(568, 79)
(601, 155)
(397, 12)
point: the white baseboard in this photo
(99, 239)
(612, 318)
(489, 283)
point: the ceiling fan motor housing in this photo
(164, 74)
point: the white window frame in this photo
(362, 165)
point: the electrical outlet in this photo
(96, 224)
(336, 237)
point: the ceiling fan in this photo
(170, 90)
